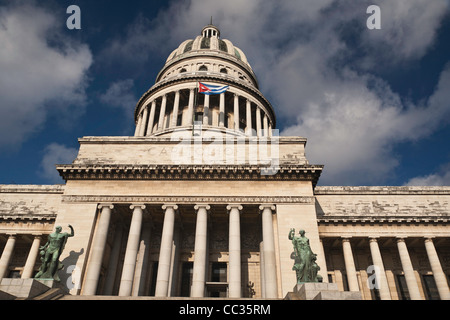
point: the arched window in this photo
(224, 70)
(183, 70)
(203, 68)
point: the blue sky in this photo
(373, 104)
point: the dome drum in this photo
(180, 106)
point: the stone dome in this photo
(210, 43)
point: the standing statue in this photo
(50, 253)
(305, 264)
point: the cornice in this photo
(188, 199)
(382, 190)
(381, 219)
(188, 172)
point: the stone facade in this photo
(200, 201)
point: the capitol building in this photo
(201, 200)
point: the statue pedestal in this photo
(321, 291)
(27, 288)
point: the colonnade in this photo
(380, 274)
(92, 274)
(157, 116)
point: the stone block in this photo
(338, 295)
(24, 288)
(321, 291)
(308, 291)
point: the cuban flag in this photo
(209, 89)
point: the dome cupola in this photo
(186, 92)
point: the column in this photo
(144, 122)
(98, 247)
(236, 112)
(201, 234)
(323, 268)
(31, 259)
(261, 268)
(176, 105)
(222, 110)
(407, 267)
(270, 273)
(436, 268)
(165, 254)
(350, 265)
(140, 271)
(6, 255)
(248, 129)
(151, 119)
(162, 112)
(258, 121)
(380, 273)
(138, 126)
(190, 112)
(206, 110)
(129, 263)
(113, 261)
(234, 248)
(266, 125)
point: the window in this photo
(203, 68)
(154, 274)
(224, 70)
(402, 288)
(219, 272)
(430, 287)
(183, 70)
(186, 279)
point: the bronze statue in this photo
(50, 253)
(305, 264)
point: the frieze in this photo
(188, 199)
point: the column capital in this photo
(373, 238)
(170, 205)
(202, 205)
(36, 235)
(105, 205)
(137, 205)
(267, 206)
(11, 235)
(401, 238)
(429, 238)
(231, 206)
(346, 238)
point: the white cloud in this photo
(54, 154)
(35, 74)
(441, 178)
(317, 62)
(120, 94)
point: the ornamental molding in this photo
(189, 172)
(381, 220)
(189, 199)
